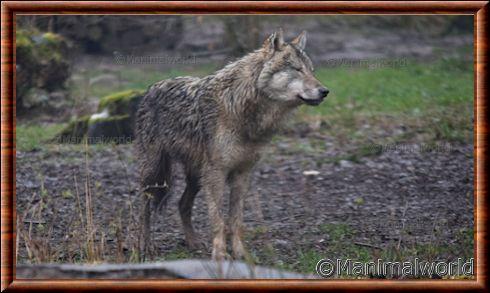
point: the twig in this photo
(257, 208)
(34, 221)
(367, 245)
(403, 226)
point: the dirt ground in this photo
(405, 197)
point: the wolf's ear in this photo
(300, 40)
(275, 41)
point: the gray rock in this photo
(345, 164)
(178, 269)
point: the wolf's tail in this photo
(157, 183)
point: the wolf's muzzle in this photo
(323, 92)
(311, 102)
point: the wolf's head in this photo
(287, 75)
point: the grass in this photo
(409, 89)
(341, 244)
(126, 78)
(179, 253)
(30, 137)
(437, 97)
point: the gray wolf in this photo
(216, 127)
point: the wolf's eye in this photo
(299, 69)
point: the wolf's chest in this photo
(233, 152)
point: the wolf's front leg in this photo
(239, 187)
(213, 183)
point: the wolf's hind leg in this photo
(185, 209)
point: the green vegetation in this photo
(34, 137)
(42, 66)
(177, 254)
(411, 88)
(42, 45)
(120, 107)
(341, 244)
(76, 129)
(125, 78)
(435, 98)
(120, 102)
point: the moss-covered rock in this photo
(113, 129)
(114, 121)
(25, 63)
(121, 103)
(74, 132)
(42, 62)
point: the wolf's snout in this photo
(323, 92)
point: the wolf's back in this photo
(178, 114)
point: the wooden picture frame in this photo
(9, 10)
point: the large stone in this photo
(121, 103)
(113, 129)
(113, 123)
(178, 269)
(75, 132)
(42, 65)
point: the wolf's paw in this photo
(220, 255)
(239, 251)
